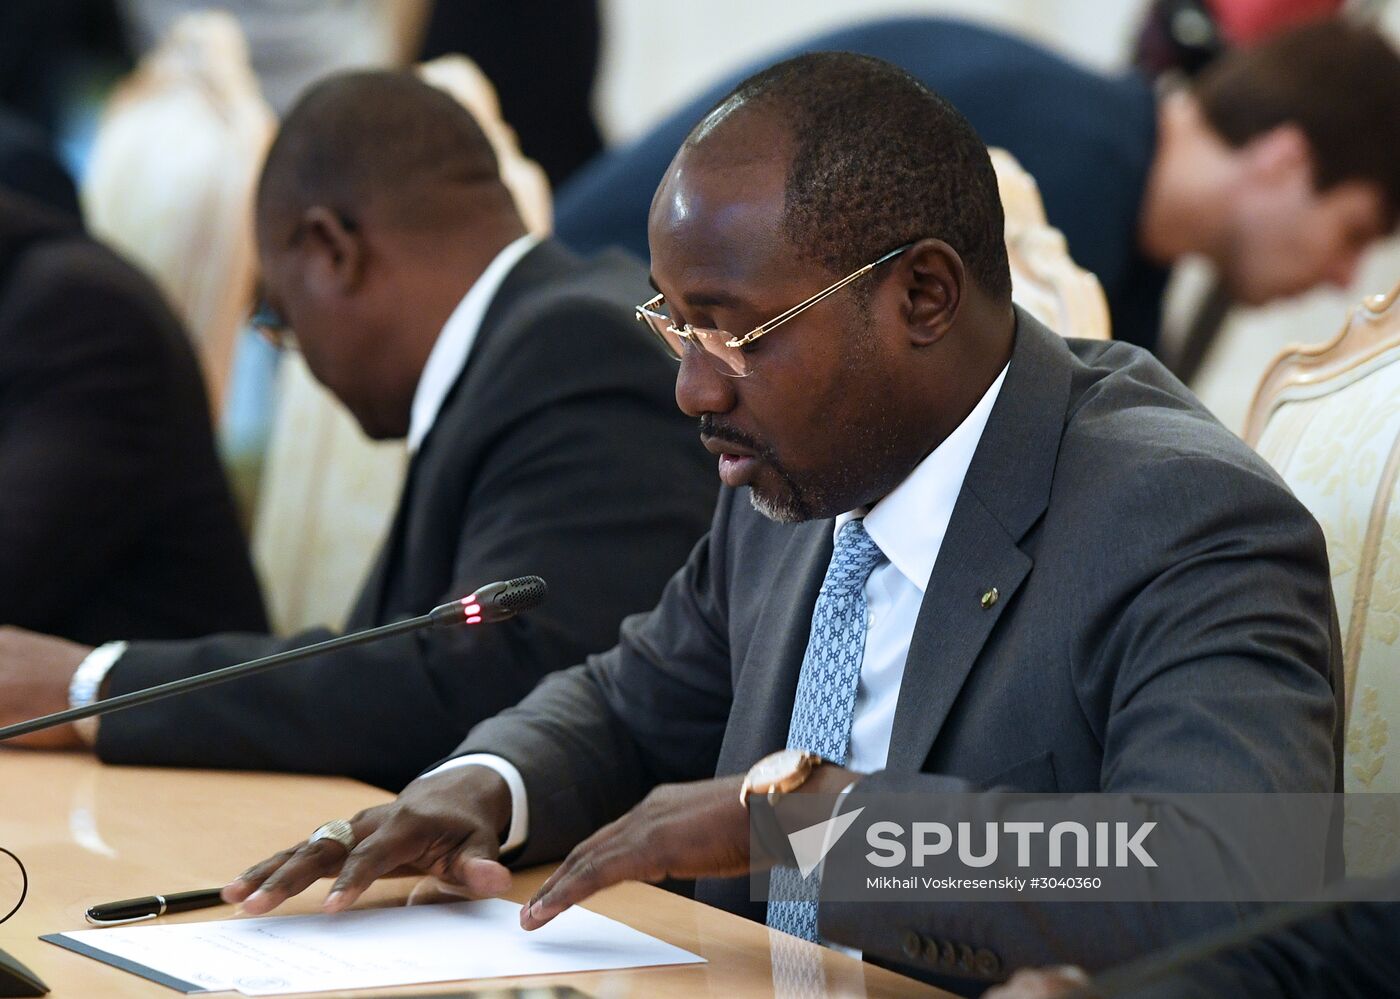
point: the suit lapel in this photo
(545, 261)
(953, 626)
(1006, 490)
(544, 265)
(767, 681)
(372, 605)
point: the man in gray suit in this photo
(954, 552)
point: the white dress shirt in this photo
(454, 344)
(446, 360)
(908, 525)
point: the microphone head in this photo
(494, 602)
(515, 595)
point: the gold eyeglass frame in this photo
(647, 313)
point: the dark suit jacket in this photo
(1088, 140)
(1164, 624)
(560, 451)
(28, 167)
(115, 517)
(1345, 952)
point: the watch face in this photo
(775, 767)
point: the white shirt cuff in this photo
(519, 805)
(86, 684)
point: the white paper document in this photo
(377, 948)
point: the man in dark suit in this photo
(115, 517)
(1266, 166)
(954, 552)
(540, 419)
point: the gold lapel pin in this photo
(990, 597)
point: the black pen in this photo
(133, 910)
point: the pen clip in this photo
(117, 922)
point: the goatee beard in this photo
(787, 509)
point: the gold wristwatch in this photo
(779, 773)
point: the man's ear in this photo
(933, 281)
(1279, 154)
(335, 251)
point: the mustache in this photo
(711, 427)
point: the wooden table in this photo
(89, 833)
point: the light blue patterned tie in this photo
(826, 700)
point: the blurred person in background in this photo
(1176, 41)
(1268, 165)
(115, 517)
(543, 435)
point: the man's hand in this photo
(448, 825)
(1040, 983)
(677, 831)
(35, 671)
(696, 830)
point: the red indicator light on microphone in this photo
(474, 619)
(471, 609)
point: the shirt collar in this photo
(909, 523)
(454, 343)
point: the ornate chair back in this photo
(1328, 419)
(172, 176)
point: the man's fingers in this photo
(308, 863)
(379, 855)
(267, 885)
(590, 848)
(586, 876)
(478, 877)
(250, 880)
(607, 857)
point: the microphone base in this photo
(17, 980)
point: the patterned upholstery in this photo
(1328, 418)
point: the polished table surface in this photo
(89, 833)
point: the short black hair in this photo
(878, 160)
(376, 135)
(1337, 81)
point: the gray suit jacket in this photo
(1165, 624)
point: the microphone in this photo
(493, 602)
(490, 604)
